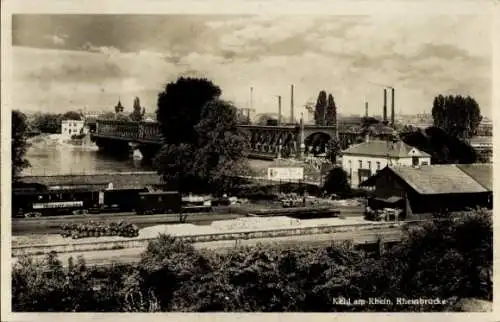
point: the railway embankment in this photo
(239, 229)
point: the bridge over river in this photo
(269, 142)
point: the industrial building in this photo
(432, 188)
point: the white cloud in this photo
(342, 56)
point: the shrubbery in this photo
(447, 259)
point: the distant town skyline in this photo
(68, 62)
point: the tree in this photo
(203, 147)
(119, 107)
(19, 143)
(71, 115)
(242, 117)
(457, 115)
(337, 181)
(48, 122)
(180, 106)
(264, 118)
(321, 104)
(334, 150)
(219, 155)
(443, 147)
(107, 116)
(366, 122)
(331, 111)
(138, 112)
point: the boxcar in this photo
(123, 200)
(159, 202)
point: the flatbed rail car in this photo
(196, 204)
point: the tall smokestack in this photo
(292, 118)
(393, 112)
(366, 109)
(251, 97)
(279, 110)
(385, 106)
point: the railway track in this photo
(133, 255)
(51, 225)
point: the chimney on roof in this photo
(385, 106)
(392, 108)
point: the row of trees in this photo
(458, 116)
(51, 122)
(137, 111)
(325, 112)
(456, 119)
(451, 260)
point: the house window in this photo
(350, 164)
(425, 163)
(414, 160)
(378, 165)
(369, 165)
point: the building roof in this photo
(379, 148)
(442, 178)
(120, 180)
(481, 172)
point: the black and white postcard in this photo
(244, 157)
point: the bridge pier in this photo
(112, 147)
(148, 152)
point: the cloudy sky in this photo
(64, 62)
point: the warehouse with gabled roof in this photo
(432, 188)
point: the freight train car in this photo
(159, 202)
(52, 203)
(31, 203)
(123, 200)
(34, 202)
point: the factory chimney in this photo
(251, 97)
(385, 107)
(366, 109)
(279, 110)
(392, 109)
(292, 118)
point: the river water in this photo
(49, 155)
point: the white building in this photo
(362, 160)
(70, 128)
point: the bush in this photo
(337, 182)
(450, 259)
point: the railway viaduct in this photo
(287, 141)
